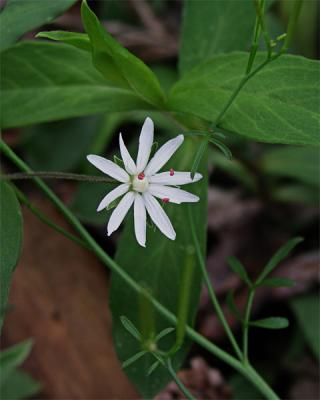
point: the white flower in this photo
(140, 184)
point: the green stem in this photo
(255, 43)
(56, 175)
(181, 386)
(246, 371)
(246, 322)
(211, 292)
(260, 14)
(47, 221)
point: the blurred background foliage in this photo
(271, 192)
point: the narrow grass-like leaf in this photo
(238, 268)
(153, 367)
(278, 257)
(221, 146)
(14, 356)
(271, 323)
(277, 282)
(232, 305)
(198, 157)
(133, 359)
(79, 40)
(164, 333)
(130, 327)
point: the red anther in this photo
(141, 176)
(171, 171)
(166, 199)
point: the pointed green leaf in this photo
(271, 323)
(160, 266)
(54, 81)
(130, 327)
(10, 239)
(278, 257)
(117, 64)
(18, 17)
(133, 359)
(238, 268)
(13, 357)
(79, 40)
(19, 385)
(164, 333)
(198, 157)
(277, 282)
(153, 367)
(221, 146)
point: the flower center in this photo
(140, 183)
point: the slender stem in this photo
(181, 386)
(249, 373)
(47, 221)
(292, 24)
(56, 175)
(246, 322)
(255, 42)
(260, 14)
(211, 292)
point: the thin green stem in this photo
(255, 42)
(265, 33)
(246, 371)
(211, 292)
(175, 377)
(47, 221)
(246, 322)
(292, 24)
(56, 175)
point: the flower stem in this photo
(246, 322)
(211, 292)
(175, 377)
(245, 370)
(56, 175)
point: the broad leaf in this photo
(271, 323)
(10, 239)
(212, 27)
(279, 256)
(21, 16)
(117, 64)
(307, 311)
(278, 105)
(47, 81)
(160, 267)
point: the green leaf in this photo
(117, 64)
(13, 357)
(277, 282)
(153, 367)
(10, 239)
(39, 140)
(133, 359)
(19, 385)
(47, 81)
(212, 27)
(130, 327)
(299, 163)
(78, 40)
(19, 17)
(238, 268)
(297, 193)
(159, 266)
(198, 157)
(278, 105)
(271, 323)
(222, 147)
(307, 312)
(164, 333)
(278, 257)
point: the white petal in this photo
(140, 220)
(111, 196)
(129, 164)
(120, 212)
(178, 178)
(163, 155)
(145, 144)
(158, 216)
(109, 168)
(174, 195)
